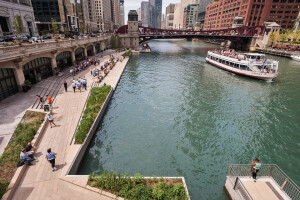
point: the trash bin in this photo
(46, 107)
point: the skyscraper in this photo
(139, 14)
(103, 15)
(202, 8)
(155, 11)
(116, 13)
(145, 13)
(122, 19)
(170, 16)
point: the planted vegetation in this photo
(93, 106)
(127, 53)
(23, 134)
(139, 188)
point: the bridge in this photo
(239, 37)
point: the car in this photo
(9, 38)
(92, 35)
(62, 35)
(47, 36)
(36, 40)
(2, 38)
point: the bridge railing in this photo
(270, 171)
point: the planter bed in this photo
(23, 134)
(138, 187)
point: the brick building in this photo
(220, 15)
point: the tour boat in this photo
(296, 57)
(248, 64)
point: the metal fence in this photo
(269, 171)
(242, 191)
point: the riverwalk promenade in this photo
(39, 182)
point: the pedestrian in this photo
(30, 149)
(78, 85)
(255, 168)
(66, 86)
(50, 101)
(74, 86)
(50, 156)
(91, 72)
(41, 100)
(25, 157)
(50, 118)
(84, 82)
(71, 72)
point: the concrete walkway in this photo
(39, 182)
(13, 108)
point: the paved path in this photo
(13, 108)
(39, 182)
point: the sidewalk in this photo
(13, 108)
(39, 182)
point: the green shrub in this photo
(136, 187)
(127, 53)
(93, 106)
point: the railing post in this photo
(235, 183)
(270, 172)
(284, 183)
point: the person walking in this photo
(41, 100)
(50, 119)
(255, 168)
(84, 82)
(50, 156)
(66, 86)
(74, 86)
(50, 101)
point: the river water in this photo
(173, 114)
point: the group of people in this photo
(42, 101)
(27, 156)
(79, 83)
(86, 63)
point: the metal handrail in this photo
(238, 185)
(267, 170)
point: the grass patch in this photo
(139, 188)
(23, 134)
(127, 53)
(93, 106)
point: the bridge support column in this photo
(73, 58)
(19, 75)
(94, 50)
(53, 62)
(85, 52)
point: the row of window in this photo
(286, 12)
(8, 85)
(231, 64)
(4, 73)
(282, 6)
(286, 1)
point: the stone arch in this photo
(64, 59)
(37, 69)
(102, 45)
(79, 53)
(90, 50)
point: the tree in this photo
(87, 28)
(19, 29)
(81, 27)
(283, 37)
(54, 25)
(113, 42)
(66, 31)
(118, 42)
(44, 32)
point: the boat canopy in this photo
(255, 55)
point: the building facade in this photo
(145, 13)
(103, 13)
(139, 14)
(155, 13)
(202, 9)
(116, 13)
(131, 38)
(163, 22)
(10, 9)
(170, 16)
(122, 13)
(177, 22)
(220, 15)
(190, 15)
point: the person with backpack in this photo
(41, 100)
(50, 156)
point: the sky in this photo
(135, 4)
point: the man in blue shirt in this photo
(26, 157)
(50, 156)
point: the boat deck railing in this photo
(237, 171)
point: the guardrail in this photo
(17, 51)
(270, 171)
(238, 185)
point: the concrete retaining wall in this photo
(81, 152)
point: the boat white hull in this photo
(252, 74)
(297, 58)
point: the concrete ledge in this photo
(78, 158)
(15, 181)
(126, 59)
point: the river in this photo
(173, 114)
